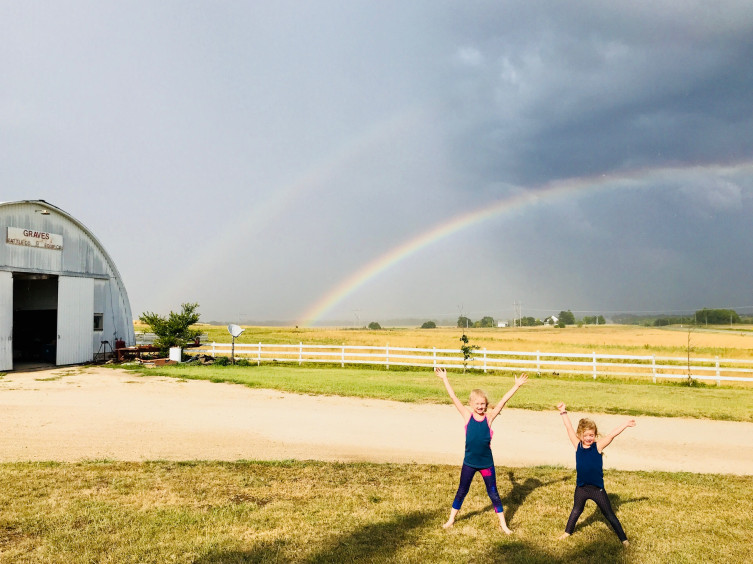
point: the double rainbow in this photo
(551, 192)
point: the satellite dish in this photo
(235, 331)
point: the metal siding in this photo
(80, 254)
(6, 321)
(75, 320)
(25, 216)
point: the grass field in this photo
(205, 512)
(541, 393)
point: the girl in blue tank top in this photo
(478, 452)
(589, 482)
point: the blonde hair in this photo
(584, 425)
(476, 394)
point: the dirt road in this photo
(75, 414)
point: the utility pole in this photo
(516, 313)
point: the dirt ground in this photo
(74, 414)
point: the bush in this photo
(429, 325)
(221, 361)
(374, 326)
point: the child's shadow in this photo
(520, 491)
(597, 515)
(517, 495)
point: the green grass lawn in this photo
(209, 512)
(540, 393)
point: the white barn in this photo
(61, 296)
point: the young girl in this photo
(590, 471)
(478, 453)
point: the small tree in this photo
(464, 322)
(467, 350)
(173, 330)
(486, 321)
(567, 317)
(374, 326)
(429, 325)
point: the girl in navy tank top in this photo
(589, 483)
(478, 452)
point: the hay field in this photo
(722, 341)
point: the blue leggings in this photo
(490, 480)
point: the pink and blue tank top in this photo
(478, 438)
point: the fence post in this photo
(300, 353)
(594, 364)
(387, 355)
(538, 363)
(435, 356)
(342, 359)
(484, 360)
(653, 366)
(214, 354)
(258, 355)
(718, 379)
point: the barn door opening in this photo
(34, 329)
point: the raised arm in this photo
(519, 381)
(568, 426)
(464, 411)
(601, 444)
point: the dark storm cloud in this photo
(593, 89)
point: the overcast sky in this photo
(254, 157)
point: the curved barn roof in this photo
(89, 234)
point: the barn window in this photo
(99, 321)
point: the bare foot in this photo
(625, 543)
(563, 536)
(507, 530)
(448, 524)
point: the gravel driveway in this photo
(71, 414)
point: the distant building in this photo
(501, 323)
(61, 297)
(551, 320)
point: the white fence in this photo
(593, 364)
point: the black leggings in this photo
(584, 493)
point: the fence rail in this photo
(593, 364)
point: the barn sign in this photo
(32, 238)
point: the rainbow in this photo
(523, 198)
